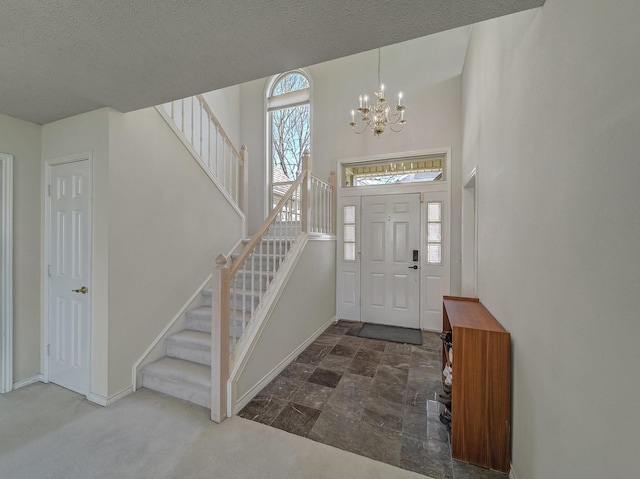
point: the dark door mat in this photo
(391, 333)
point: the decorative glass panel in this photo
(434, 211)
(349, 251)
(434, 253)
(350, 233)
(400, 170)
(350, 214)
(435, 233)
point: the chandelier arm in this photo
(353, 128)
(399, 129)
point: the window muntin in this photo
(289, 114)
(349, 239)
(403, 170)
(434, 232)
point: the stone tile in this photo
(369, 355)
(344, 323)
(354, 330)
(344, 351)
(363, 368)
(324, 377)
(414, 422)
(312, 395)
(396, 360)
(379, 443)
(434, 408)
(424, 357)
(337, 330)
(313, 354)
(298, 371)
(395, 375)
(262, 409)
(351, 341)
(335, 430)
(388, 390)
(348, 406)
(437, 431)
(382, 413)
(335, 363)
(431, 341)
(428, 457)
(281, 388)
(354, 386)
(328, 339)
(463, 470)
(375, 345)
(398, 348)
(417, 397)
(319, 347)
(296, 419)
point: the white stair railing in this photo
(307, 207)
(194, 118)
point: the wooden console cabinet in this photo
(481, 386)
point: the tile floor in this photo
(373, 398)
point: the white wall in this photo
(307, 303)
(426, 70)
(22, 140)
(167, 223)
(78, 134)
(225, 104)
(551, 110)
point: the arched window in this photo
(289, 119)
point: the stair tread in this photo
(201, 311)
(193, 337)
(180, 370)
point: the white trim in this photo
(160, 337)
(106, 401)
(512, 473)
(38, 378)
(48, 164)
(197, 158)
(248, 342)
(472, 182)
(6, 273)
(251, 393)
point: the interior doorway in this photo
(68, 273)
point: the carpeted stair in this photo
(185, 371)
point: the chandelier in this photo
(378, 115)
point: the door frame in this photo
(441, 186)
(6, 274)
(74, 158)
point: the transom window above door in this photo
(289, 113)
(388, 172)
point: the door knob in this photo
(415, 266)
(82, 290)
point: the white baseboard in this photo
(251, 393)
(25, 382)
(104, 401)
(512, 473)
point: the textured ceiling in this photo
(64, 57)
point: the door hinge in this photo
(49, 270)
(49, 190)
(48, 349)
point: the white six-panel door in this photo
(68, 272)
(390, 273)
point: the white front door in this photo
(69, 219)
(390, 262)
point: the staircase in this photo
(185, 371)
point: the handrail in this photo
(246, 252)
(215, 120)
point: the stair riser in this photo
(244, 282)
(249, 303)
(196, 394)
(279, 247)
(196, 355)
(205, 326)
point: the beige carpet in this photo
(49, 432)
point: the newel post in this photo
(219, 339)
(244, 180)
(333, 179)
(305, 192)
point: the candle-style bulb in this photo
(400, 99)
